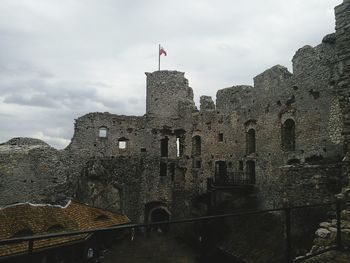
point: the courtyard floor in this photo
(153, 247)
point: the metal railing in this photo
(286, 210)
(234, 179)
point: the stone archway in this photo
(157, 212)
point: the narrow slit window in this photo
(178, 147)
(196, 146)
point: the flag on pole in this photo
(162, 51)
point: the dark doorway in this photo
(196, 145)
(164, 147)
(160, 215)
(250, 141)
(250, 170)
(220, 172)
(288, 135)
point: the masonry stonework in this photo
(283, 136)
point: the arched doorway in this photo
(159, 215)
(157, 212)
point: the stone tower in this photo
(167, 94)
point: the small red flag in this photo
(162, 51)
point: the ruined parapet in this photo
(234, 98)
(167, 92)
(271, 79)
(310, 59)
(206, 103)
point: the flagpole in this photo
(159, 57)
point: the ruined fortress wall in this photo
(32, 171)
(127, 184)
(306, 97)
(341, 80)
(88, 141)
(103, 173)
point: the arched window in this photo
(164, 147)
(103, 132)
(288, 135)
(196, 146)
(250, 141)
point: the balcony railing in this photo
(234, 179)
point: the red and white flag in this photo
(162, 51)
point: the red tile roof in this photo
(39, 218)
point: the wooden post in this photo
(30, 251)
(288, 251)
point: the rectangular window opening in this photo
(102, 133)
(163, 169)
(221, 137)
(240, 165)
(122, 144)
(172, 171)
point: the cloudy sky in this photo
(60, 59)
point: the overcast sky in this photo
(60, 59)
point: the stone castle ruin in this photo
(285, 138)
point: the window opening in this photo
(196, 146)
(163, 169)
(288, 135)
(102, 132)
(250, 141)
(164, 147)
